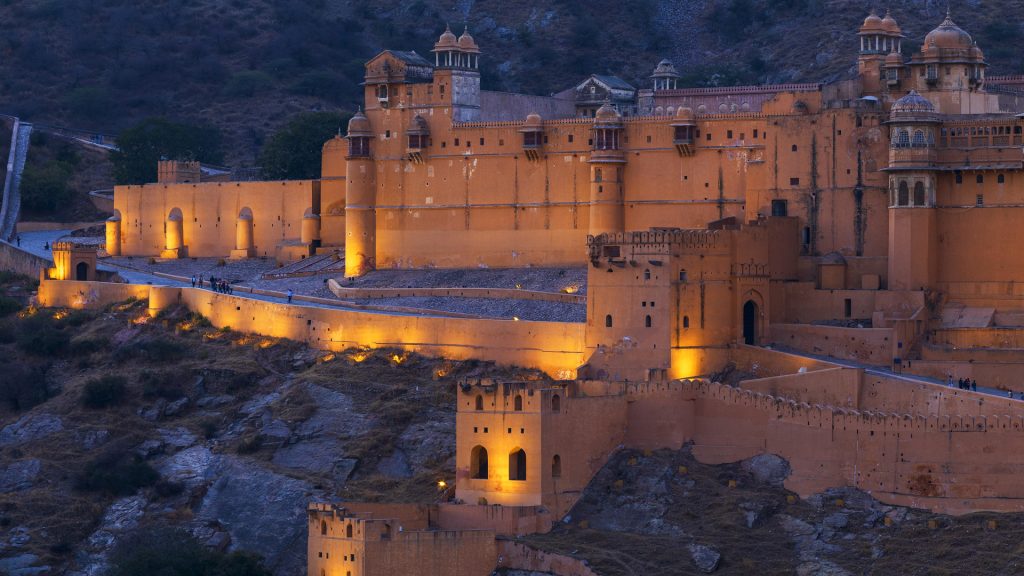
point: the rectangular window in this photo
(708, 136)
(755, 133)
(980, 179)
(456, 141)
(1001, 179)
(848, 307)
(959, 178)
(780, 208)
(728, 134)
(481, 141)
(501, 142)
(648, 139)
(794, 181)
(979, 200)
(570, 138)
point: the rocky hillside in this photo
(112, 424)
(663, 513)
(247, 66)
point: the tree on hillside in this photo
(153, 139)
(169, 552)
(294, 151)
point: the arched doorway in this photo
(82, 271)
(750, 314)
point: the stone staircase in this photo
(11, 206)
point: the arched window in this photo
(919, 138)
(556, 403)
(794, 148)
(919, 194)
(348, 531)
(323, 527)
(686, 321)
(518, 403)
(597, 175)
(478, 463)
(902, 138)
(517, 465)
(608, 321)
(556, 466)
(479, 402)
(647, 274)
(647, 321)
(903, 198)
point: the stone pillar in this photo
(244, 247)
(310, 229)
(113, 236)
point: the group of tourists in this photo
(216, 284)
(968, 384)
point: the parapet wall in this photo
(555, 347)
(949, 463)
(490, 293)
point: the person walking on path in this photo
(193, 280)
(200, 280)
(290, 294)
(18, 238)
(974, 385)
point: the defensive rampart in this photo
(555, 347)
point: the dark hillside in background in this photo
(247, 65)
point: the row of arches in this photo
(323, 529)
(479, 466)
(517, 403)
(901, 196)
(904, 138)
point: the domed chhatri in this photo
(889, 24)
(467, 44)
(913, 103)
(533, 120)
(949, 36)
(607, 112)
(359, 124)
(872, 24)
(447, 41)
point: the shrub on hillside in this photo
(104, 392)
(163, 384)
(247, 84)
(21, 386)
(118, 472)
(8, 306)
(37, 335)
(154, 350)
(170, 552)
(45, 188)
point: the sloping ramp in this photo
(11, 207)
(959, 316)
(319, 264)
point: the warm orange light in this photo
(571, 289)
(442, 484)
(30, 311)
(398, 359)
(60, 314)
(266, 343)
(140, 320)
(515, 318)
(359, 356)
(327, 357)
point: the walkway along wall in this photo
(555, 347)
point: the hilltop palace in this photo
(849, 245)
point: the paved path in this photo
(888, 373)
(37, 242)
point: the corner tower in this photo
(360, 199)
(912, 228)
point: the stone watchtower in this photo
(457, 72)
(607, 166)
(912, 181)
(878, 38)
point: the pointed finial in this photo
(447, 27)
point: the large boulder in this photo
(18, 476)
(767, 468)
(29, 428)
